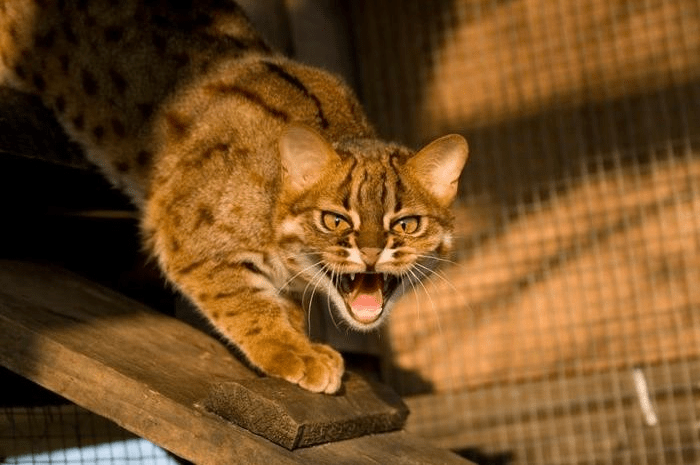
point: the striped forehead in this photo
(371, 194)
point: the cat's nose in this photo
(370, 255)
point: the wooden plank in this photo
(292, 417)
(146, 372)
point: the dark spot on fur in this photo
(177, 124)
(13, 31)
(69, 34)
(39, 82)
(98, 133)
(181, 60)
(113, 33)
(254, 331)
(64, 62)
(204, 216)
(146, 109)
(60, 104)
(20, 72)
(174, 245)
(191, 267)
(45, 41)
(118, 128)
(209, 152)
(122, 166)
(118, 81)
(143, 158)
(160, 43)
(224, 295)
(231, 313)
(79, 122)
(202, 20)
(89, 82)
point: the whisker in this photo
(438, 274)
(319, 272)
(406, 277)
(328, 295)
(316, 281)
(286, 283)
(430, 299)
(440, 259)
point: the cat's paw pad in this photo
(315, 367)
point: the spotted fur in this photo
(259, 179)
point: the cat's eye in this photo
(406, 225)
(335, 222)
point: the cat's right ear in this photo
(438, 166)
(305, 154)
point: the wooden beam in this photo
(148, 372)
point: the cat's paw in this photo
(314, 367)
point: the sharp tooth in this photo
(352, 276)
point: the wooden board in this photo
(147, 372)
(292, 417)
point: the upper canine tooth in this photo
(352, 276)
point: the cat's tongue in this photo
(366, 301)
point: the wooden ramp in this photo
(177, 387)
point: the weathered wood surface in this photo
(147, 372)
(292, 417)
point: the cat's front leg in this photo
(267, 327)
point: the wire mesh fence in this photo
(69, 435)
(566, 330)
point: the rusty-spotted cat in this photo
(257, 178)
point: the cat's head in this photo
(363, 221)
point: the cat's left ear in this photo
(305, 154)
(437, 166)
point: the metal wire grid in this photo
(70, 435)
(570, 319)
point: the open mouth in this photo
(366, 293)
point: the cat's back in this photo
(105, 66)
(141, 83)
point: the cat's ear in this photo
(305, 154)
(437, 166)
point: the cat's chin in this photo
(366, 297)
